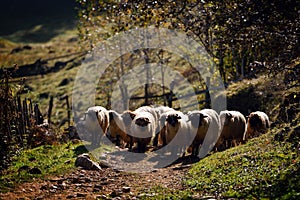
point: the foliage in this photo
(237, 33)
(49, 159)
(19, 122)
(262, 168)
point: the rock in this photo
(81, 195)
(104, 164)
(97, 188)
(126, 189)
(116, 193)
(35, 170)
(85, 162)
(23, 168)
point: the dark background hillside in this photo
(18, 15)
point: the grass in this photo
(266, 167)
(50, 159)
(263, 168)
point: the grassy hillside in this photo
(265, 167)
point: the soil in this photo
(107, 183)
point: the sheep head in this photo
(91, 115)
(142, 121)
(172, 119)
(196, 118)
(255, 120)
(228, 117)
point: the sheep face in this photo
(95, 123)
(173, 119)
(142, 122)
(227, 119)
(91, 120)
(142, 125)
(255, 121)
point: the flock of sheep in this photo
(162, 126)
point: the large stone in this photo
(85, 162)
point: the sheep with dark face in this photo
(176, 134)
(160, 111)
(96, 122)
(233, 129)
(143, 128)
(258, 122)
(118, 129)
(205, 129)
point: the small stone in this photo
(70, 196)
(81, 195)
(126, 189)
(35, 170)
(116, 193)
(85, 162)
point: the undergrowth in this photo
(48, 159)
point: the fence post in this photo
(69, 111)
(170, 95)
(50, 110)
(146, 95)
(207, 95)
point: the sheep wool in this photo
(96, 122)
(233, 128)
(258, 123)
(205, 131)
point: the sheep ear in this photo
(132, 115)
(111, 115)
(202, 116)
(147, 120)
(229, 115)
(178, 117)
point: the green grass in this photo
(265, 167)
(50, 159)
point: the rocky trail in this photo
(107, 183)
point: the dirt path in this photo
(105, 184)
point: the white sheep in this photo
(96, 122)
(233, 129)
(118, 130)
(205, 131)
(143, 126)
(160, 110)
(258, 122)
(176, 131)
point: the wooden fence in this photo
(170, 96)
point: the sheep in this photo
(205, 127)
(176, 131)
(118, 129)
(233, 129)
(96, 122)
(142, 129)
(258, 122)
(160, 110)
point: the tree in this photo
(234, 32)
